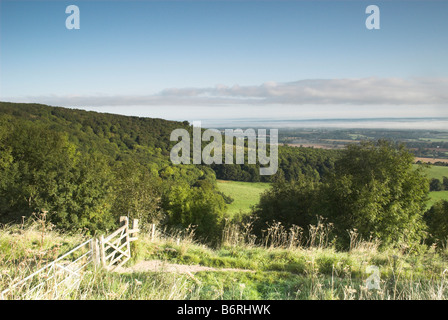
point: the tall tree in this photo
(376, 190)
(137, 193)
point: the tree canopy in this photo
(374, 189)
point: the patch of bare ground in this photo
(163, 266)
(430, 160)
(310, 145)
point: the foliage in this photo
(291, 203)
(435, 185)
(137, 193)
(376, 190)
(294, 163)
(437, 220)
(85, 169)
(47, 174)
(196, 205)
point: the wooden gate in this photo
(60, 277)
(115, 249)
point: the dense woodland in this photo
(82, 170)
(86, 168)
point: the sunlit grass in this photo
(245, 194)
(289, 269)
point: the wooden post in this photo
(123, 221)
(128, 243)
(135, 228)
(134, 231)
(92, 250)
(102, 253)
(153, 231)
(95, 252)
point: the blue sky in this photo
(214, 59)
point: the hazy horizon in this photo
(405, 123)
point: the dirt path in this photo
(163, 266)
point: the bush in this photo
(436, 219)
(376, 190)
(435, 185)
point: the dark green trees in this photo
(435, 185)
(196, 205)
(137, 193)
(42, 171)
(291, 203)
(374, 188)
(85, 169)
(445, 183)
(437, 220)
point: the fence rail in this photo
(60, 277)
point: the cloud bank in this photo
(365, 91)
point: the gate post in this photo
(124, 221)
(102, 253)
(96, 259)
(153, 232)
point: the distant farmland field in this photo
(245, 194)
(431, 160)
(437, 172)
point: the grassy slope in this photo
(437, 196)
(279, 273)
(437, 172)
(245, 194)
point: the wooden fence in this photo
(60, 277)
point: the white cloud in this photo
(365, 91)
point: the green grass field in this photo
(437, 172)
(437, 196)
(245, 194)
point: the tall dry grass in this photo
(325, 273)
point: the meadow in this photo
(437, 172)
(244, 194)
(436, 196)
